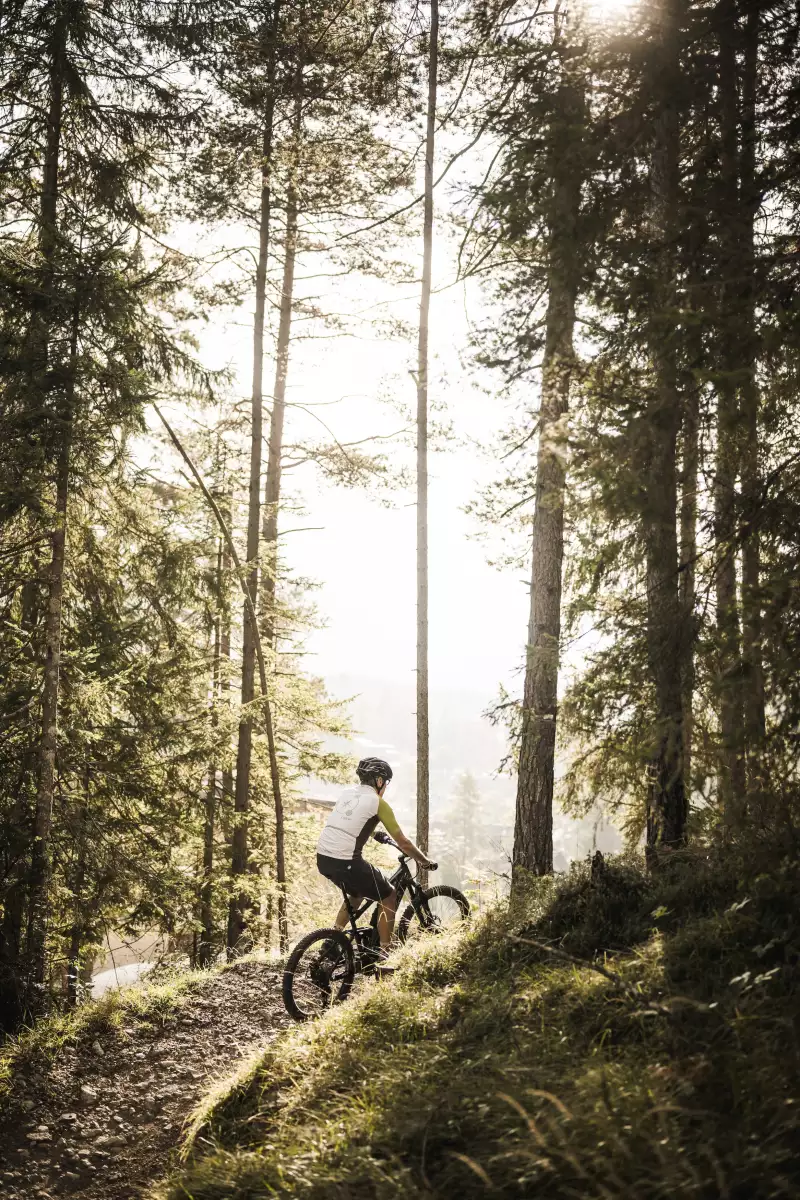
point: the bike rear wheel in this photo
(448, 908)
(319, 973)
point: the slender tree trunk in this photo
(754, 716)
(729, 683)
(272, 488)
(272, 498)
(206, 947)
(78, 930)
(666, 811)
(688, 554)
(226, 794)
(423, 735)
(41, 854)
(239, 902)
(41, 863)
(533, 831)
(41, 866)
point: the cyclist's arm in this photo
(389, 822)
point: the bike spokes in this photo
(318, 974)
(445, 912)
(436, 911)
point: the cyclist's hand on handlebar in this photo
(431, 866)
(383, 838)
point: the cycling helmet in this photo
(369, 769)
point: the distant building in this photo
(314, 804)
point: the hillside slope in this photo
(490, 1065)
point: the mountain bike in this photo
(323, 965)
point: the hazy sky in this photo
(360, 544)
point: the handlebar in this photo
(385, 840)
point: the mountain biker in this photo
(353, 819)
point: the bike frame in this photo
(402, 881)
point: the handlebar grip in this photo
(433, 866)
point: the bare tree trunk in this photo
(41, 865)
(41, 854)
(533, 830)
(239, 902)
(688, 554)
(729, 681)
(423, 735)
(206, 947)
(78, 930)
(753, 681)
(272, 498)
(226, 796)
(666, 809)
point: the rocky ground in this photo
(104, 1122)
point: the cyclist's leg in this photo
(343, 916)
(365, 882)
(386, 914)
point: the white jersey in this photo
(353, 818)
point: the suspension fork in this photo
(420, 904)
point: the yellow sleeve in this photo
(387, 818)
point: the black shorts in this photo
(360, 878)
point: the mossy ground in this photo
(487, 1065)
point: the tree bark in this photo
(78, 930)
(753, 671)
(41, 866)
(239, 904)
(272, 497)
(423, 733)
(729, 671)
(206, 946)
(272, 487)
(690, 465)
(666, 808)
(533, 831)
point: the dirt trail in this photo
(105, 1122)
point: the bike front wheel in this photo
(319, 973)
(443, 908)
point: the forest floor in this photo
(98, 1113)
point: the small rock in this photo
(98, 1050)
(88, 1095)
(27, 1105)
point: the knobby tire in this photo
(292, 982)
(410, 915)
